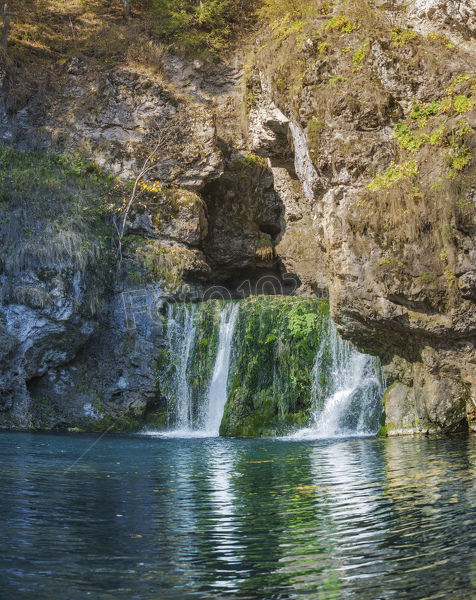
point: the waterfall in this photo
(197, 356)
(270, 366)
(217, 392)
(354, 386)
(181, 329)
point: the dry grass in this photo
(47, 33)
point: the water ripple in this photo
(160, 518)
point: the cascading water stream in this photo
(355, 383)
(197, 408)
(287, 363)
(217, 392)
(180, 337)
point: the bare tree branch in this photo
(162, 142)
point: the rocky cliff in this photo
(334, 156)
(382, 121)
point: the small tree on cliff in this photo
(157, 150)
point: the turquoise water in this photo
(152, 518)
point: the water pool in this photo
(163, 518)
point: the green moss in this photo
(400, 37)
(206, 345)
(271, 377)
(339, 23)
(387, 391)
(204, 318)
(426, 278)
(151, 261)
(383, 431)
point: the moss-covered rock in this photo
(276, 341)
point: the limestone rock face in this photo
(454, 16)
(79, 348)
(268, 126)
(179, 216)
(111, 381)
(110, 115)
(392, 293)
(43, 326)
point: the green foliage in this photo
(412, 141)
(458, 104)
(334, 80)
(436, 136)
(442, 39)
(392, 175)
(461, 158)
(450, 277)
(462, 104)
(400, 37)
(300, 324)
(463, 129)
(422, 112)
(458, 155)
(53, 211)
(360, 54)
(339, 23)
(406, 138)
(253, 160)
(323, 47)
(462, 79)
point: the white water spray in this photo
(180, 339)
(345, 391)
(217, 392)
(344, 404)
(197, 413)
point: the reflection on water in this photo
(149, 518)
